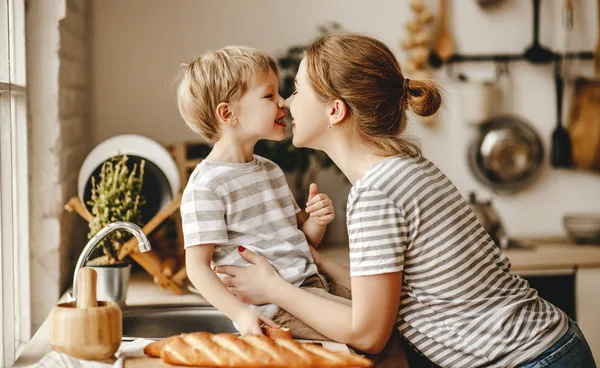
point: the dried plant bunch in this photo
(116, 197)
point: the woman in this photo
(419, 259)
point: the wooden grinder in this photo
(86, 328)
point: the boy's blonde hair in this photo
(218, 76)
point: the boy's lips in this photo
(281, 121)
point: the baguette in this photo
(228, 350)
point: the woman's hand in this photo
(248, 322)
(253, 284)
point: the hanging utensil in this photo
(536, 53)
(507, 154)
(444, 46)
(584, 117)
(560, 155)
(597, 52)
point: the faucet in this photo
(143, 244)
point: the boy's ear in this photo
(337, 112)
(225, 114)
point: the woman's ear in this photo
(337, 112)
(225, 114)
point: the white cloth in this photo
(60, 360)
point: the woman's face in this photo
(310, 119)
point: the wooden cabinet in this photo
(587, 306)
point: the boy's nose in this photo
(287, 102)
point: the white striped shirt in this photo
(248, 204)
(460, 305)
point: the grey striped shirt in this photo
(248, 204)
(460, 305)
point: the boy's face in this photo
(260, 111)
(309, 113)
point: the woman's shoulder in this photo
(399, 176)
(397, 170)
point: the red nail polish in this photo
(241, 249)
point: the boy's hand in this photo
(319, 206)
(248, 322)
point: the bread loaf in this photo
(228, 350)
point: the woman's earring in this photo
(329, 125)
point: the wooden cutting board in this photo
(140, 362)
(584, 124)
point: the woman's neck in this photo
(353, 157)
(231, 150)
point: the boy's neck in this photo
(228, 150)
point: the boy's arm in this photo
(314, 232)
(197, 259)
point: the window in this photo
(14, 188)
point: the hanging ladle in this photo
(536, 53)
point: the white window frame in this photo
(14, 185)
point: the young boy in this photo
(236, 200)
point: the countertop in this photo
(543, 255)
(141, 291)
(546, 255)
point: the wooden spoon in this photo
(444, 45)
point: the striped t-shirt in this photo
(460, 305)
(248, 204)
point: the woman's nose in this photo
(288, 102)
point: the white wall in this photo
(58, 98)
(138, 45)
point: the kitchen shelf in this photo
(459, 58)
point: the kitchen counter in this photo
(547, 255)
(141, 291)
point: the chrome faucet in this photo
(143, 244)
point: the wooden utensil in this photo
(584, 124)
(584, 117)
(86, 328)
(444, 45)
(597, 52)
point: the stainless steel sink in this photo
(155, 322)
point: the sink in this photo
(158, 321)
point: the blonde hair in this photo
(218, 76)
(364, 73)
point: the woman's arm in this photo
(366, 325)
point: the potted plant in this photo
(116, 196)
